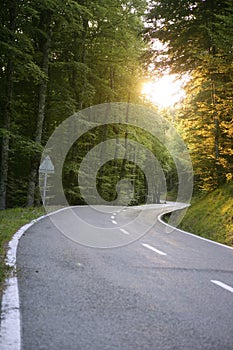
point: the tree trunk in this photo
(40, 120)
(7, 111)
(124, 161)
(104, 134)
(6, 137)
(216, 135)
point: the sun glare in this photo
(164, 92)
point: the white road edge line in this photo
(114, 222)
(10, 314)
(124, 231)
(223, 285)
(191, 234)
(153, 249)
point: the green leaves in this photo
(198, 38)
(63, 56)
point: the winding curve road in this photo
(164, 291)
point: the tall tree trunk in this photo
(216, 135)
(124, 161)
(83, 60)
(104, 134)
(40, 119)
(7, 111)
(6, 137)
(213, 52)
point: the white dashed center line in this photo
(223, 285)
(153, 249)
(124, 231)
(113, 217)
(114, 222)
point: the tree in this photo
(44, 44)
(193, 33)
(16, 64)
(49, 20)
(59, 57)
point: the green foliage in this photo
(198, 41)
(116, 170)
(94, 57)
(97, 54)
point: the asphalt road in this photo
(165, 290)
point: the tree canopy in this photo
(197, 38)
(59, 57)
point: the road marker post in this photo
(46, 167)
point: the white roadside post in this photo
(46, 167)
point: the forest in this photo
(60, 57)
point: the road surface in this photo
(164, 291)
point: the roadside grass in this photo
(211, 216)
(10, 221)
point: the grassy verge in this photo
(10, 221)
(211, 216)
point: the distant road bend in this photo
(164, 291)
